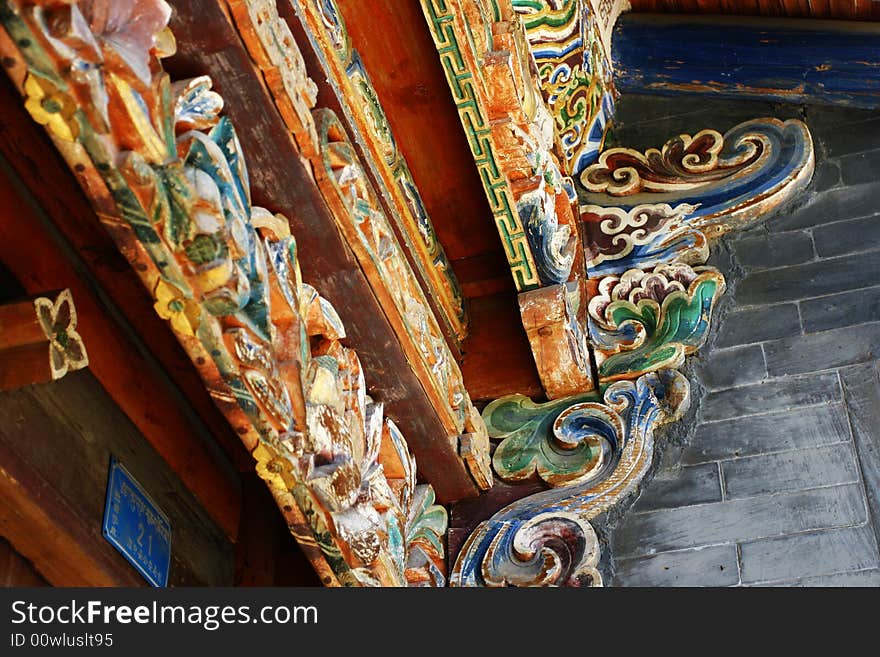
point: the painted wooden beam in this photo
(33, 158)
(793, 61)
(284, 183)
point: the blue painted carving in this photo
(546, 539)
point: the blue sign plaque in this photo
(136, 526)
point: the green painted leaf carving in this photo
(674, 329)
(528, 445)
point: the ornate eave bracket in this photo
(603, 445)
(668, 204)
(637, 300)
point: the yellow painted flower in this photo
(51, 107)
(170, 304)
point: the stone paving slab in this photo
(828, 175)
(774, 250)
(698, 484)
(859, 168)
(770, 396)
(712, 566)
(643, 534)
(865, 579)
(785, 471)
(840, 310)
(865, 137)
(831, 206)
(800, 428)
(844, 237)
(813, 279)
(732, 367)
(862, 392)
(822, 351)
(759, 324)
(807, 555)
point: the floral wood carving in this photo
(57, 318)
(39, 341)
(355, 202)
(260, 24)
(168, 178)
(648, 320)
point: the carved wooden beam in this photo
(225, 275)
(280, 145)
(355, 202)
(462, 32)
(39, 341)
(378, 151)
(555, 325)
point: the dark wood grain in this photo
(72, 428)
(15, 570)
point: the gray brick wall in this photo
(778, 479)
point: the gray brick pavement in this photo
(779, 482)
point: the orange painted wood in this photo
(24, 365)
(401, 59)
(497, 357)
(33, 256)
(19, 325)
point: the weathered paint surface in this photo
(788, 61)
(546, 539)
(666, 204)
(39, 341)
